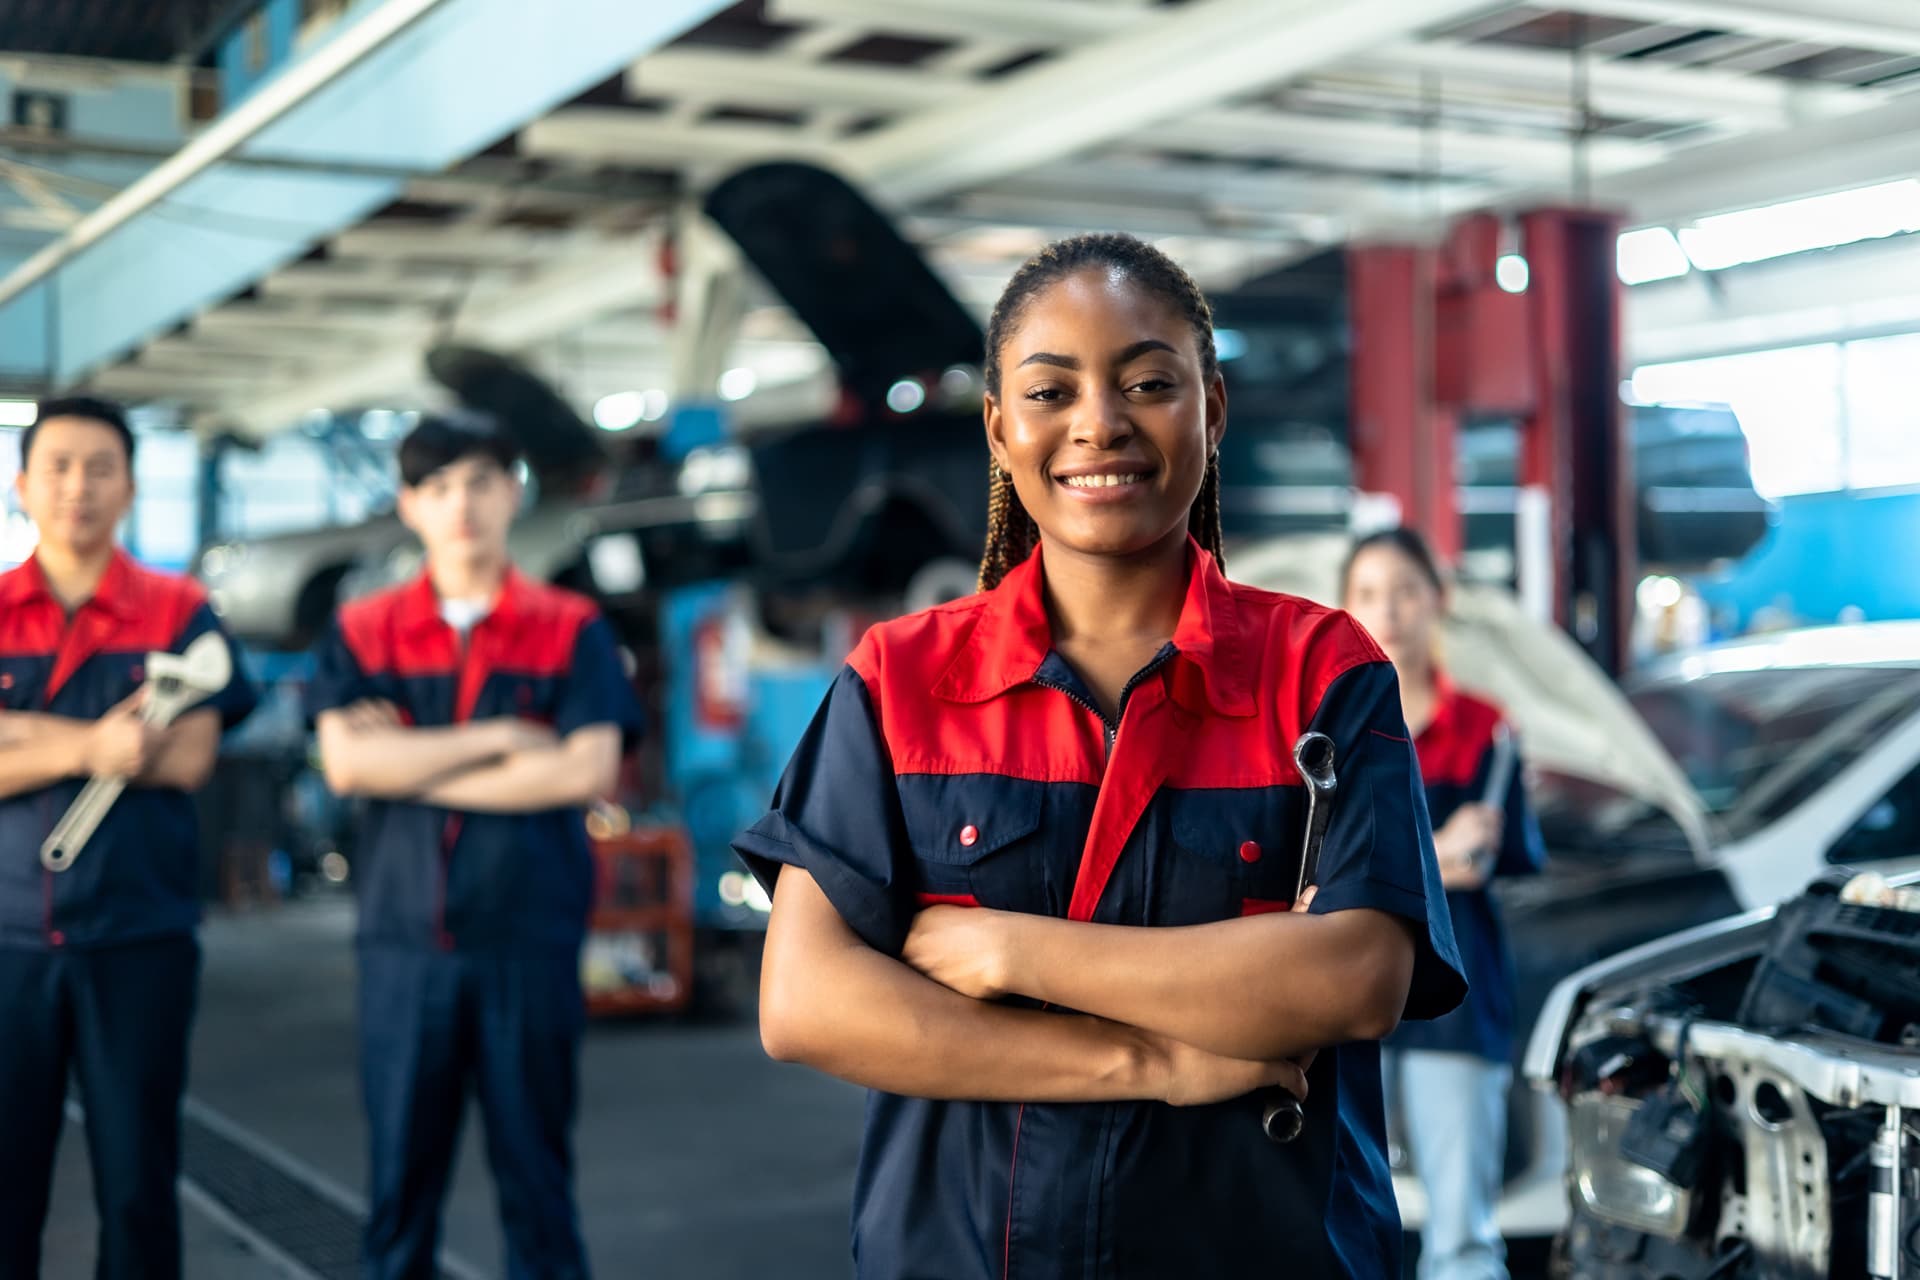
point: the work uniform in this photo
(471, 923)
(1447, 1079)
(958, 759)
(98, 963)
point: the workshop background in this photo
(1617, 301)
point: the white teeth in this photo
(1098, 482)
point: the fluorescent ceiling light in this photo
(1650, 253)
(1795, 226)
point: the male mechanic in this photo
(480, 713)
(98, 963)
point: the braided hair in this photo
(1011, 532)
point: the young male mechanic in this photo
(480, 713)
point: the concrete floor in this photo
(697, 1157)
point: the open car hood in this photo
(844, 268)
(1571, 716)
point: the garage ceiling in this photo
(1242, 132)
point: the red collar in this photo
(1446, 703)
(1011, 638)
(419, 605)
(117, 593)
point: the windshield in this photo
(1754, 744)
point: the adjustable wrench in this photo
(176, 682)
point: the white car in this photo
(1712, 783)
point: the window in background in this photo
(1788, 402)
(163, 528)
(1881, 380)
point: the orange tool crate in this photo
(639, 952)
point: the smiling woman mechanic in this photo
(1102, 740)
(1447, 1079)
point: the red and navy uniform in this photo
(98, 964)
(471, 923)
(959, 759)
(1456, 759)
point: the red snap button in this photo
(57, 938)
(969, 835)
(1249, 851)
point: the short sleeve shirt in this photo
(958, 760)
(138, 875)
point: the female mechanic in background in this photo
(1447, 1079)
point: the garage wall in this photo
(1831, 553)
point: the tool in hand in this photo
(1282, 1118)
(1499, 778)
(176, 683)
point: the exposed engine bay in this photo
(1746, 1108)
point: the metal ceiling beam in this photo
(1363, 143)
(782, 82)
(1631, 89)
(1865, 24)
(1170, 63)
(312, 347)
(602, 134)
(135, 379)
(1055, 22)
(1111, 182)
(1742, 173)
(249, 320)
(563, 296)
(434, 243)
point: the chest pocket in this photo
(1236, 852)
(526, 697)
(21, 682)
(976, 840)
(102, 682)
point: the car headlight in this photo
(1610, 1186)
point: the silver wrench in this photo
(176, 682)
(1283, 1117)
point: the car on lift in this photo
(1710, 783)
(1739, 1093)
(1285, 349)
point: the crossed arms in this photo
(1186, 1016)
(502, 765)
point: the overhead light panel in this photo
(1796, 226)
(1651, 253)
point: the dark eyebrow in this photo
(1128, 353)
(1141, 348)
